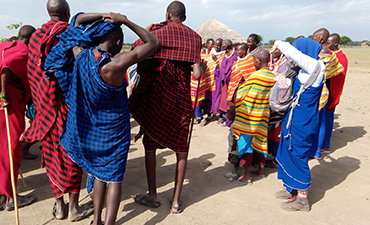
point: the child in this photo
(233, 157)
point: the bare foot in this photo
(60, 211)
(258, 173)
(80, 213)
(245, 179)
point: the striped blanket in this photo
(207, 81)
(252, 110)
(242, 68)
(332, 68)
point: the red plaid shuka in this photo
(51, 112)
(178, 42)
(161, 103)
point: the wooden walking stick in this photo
(193, 115)
(11, 166)
(23, 181)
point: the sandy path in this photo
(340, 181)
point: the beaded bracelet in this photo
(3, 96)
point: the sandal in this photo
(178, 209)
(204, 122)
(143, 200)
(243, 182)
(2, 202)
(22, 201)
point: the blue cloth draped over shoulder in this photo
(308, 47)
(296, 143)
(97, 133)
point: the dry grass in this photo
(358, 56)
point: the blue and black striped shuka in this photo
(97, 134)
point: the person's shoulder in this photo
(183, 26)
(340, 52)
(341, 56)
(5, 44)
(263, 73)
(46, 26)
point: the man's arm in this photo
(113, 72)
(88, 18)
(199, 69)
(5, 78)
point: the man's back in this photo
(178, 42)
(44, 92)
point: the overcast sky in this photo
(270, 19)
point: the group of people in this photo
(237, 93)
(74, 75)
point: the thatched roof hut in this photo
(215, 29)
(365, 44)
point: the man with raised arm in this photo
(161, 103)
(97, 134)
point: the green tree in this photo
(344, 40)
(310, 36)
(272, 41)
(290, 39)
(260, 38)
(12, 26)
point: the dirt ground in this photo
(340, 181)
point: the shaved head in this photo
(261, 58)
(210, 40)
(25, 33)
(321, 35)
(58, 10)
(335, 37)
(242, 50)
(262, 54)
(228, 42)
(300, 36)
(243, 46)
(218, 44)
(227, 45)
(13, 38)
(112, 41)
(176, 10)
(333, 42)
